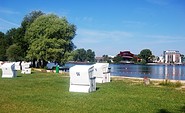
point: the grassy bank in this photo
(49, 93)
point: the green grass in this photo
(49, 93)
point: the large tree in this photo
(146, 55)
(29, 19)
(54, 33)
(10, 36)
(15, 36)
(90, 55)
(21, 31)
(80, 55)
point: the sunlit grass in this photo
(49, 93)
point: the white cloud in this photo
(8, 22)
(6, 11)
(99, 36)
(111, 42)
(164, 39)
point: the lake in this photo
(172, 72)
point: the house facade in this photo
(172, 56)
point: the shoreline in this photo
(151, 79)
(112, 76)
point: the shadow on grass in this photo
(19, 75)
(97, 88)
(163, 111)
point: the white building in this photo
(172, 56)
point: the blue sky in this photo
(110, 26)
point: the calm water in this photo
(173, 72)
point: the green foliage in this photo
(14, 53)
(10, 36)
(29, 19)
(134, 59)
(15, 36)
(82, 55)
(50, 38)
(146, 55)
(50, 26)
(3, 46)
(46, 49)
(143, 62)
(117, 59)
(106, 58)
(90, 55)
(41, 37)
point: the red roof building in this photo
(126, 55)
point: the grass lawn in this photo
(49, 93)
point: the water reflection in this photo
(145, 69)
(173, 72)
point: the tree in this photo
(25, 24)
(90, 55)
(80, 55)
(16, 35)
(3, 46)
(46, 50)
(29, 19)
(14, 53)
(106, 58)
(10, 36)
(117, 59)
(50, 29)
(146, 54)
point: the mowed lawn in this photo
(49, 93)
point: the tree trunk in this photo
(44, 63)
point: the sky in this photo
(110, 26)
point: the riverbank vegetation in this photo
(49, 92)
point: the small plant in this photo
(171, 84)
(178, 84)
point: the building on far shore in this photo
(127, 57)
(172, 56)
